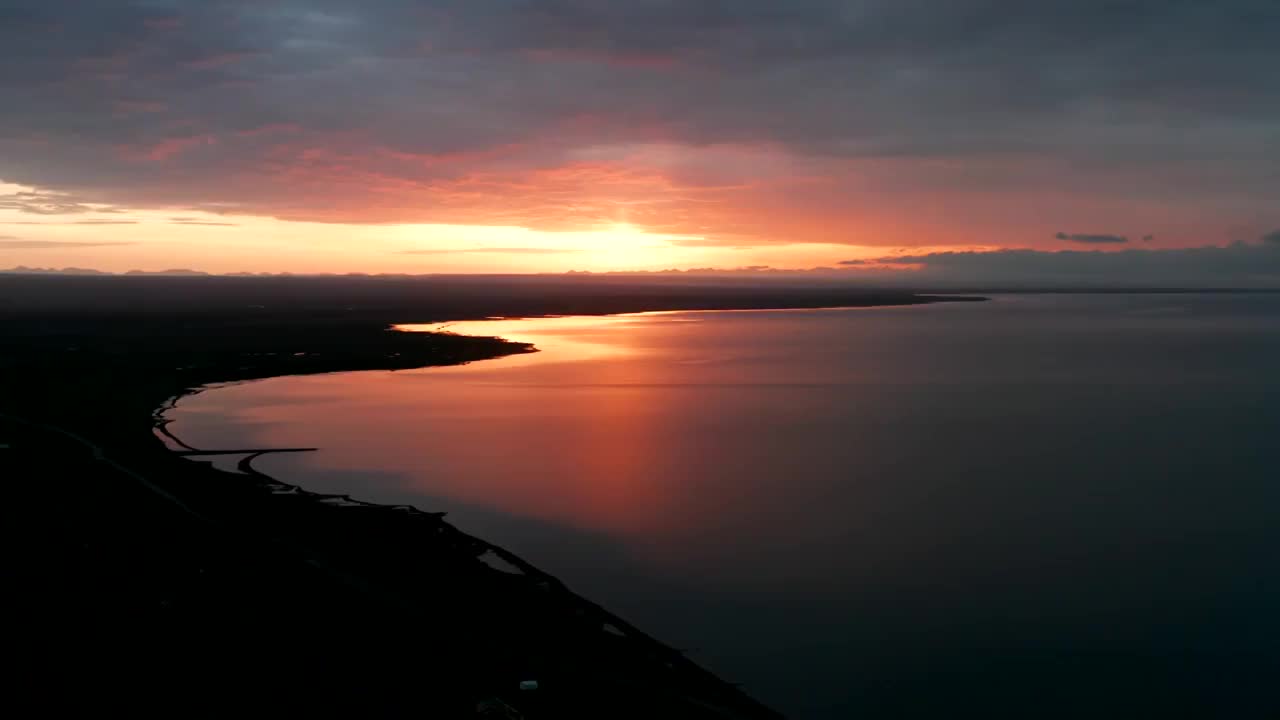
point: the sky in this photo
(966, 138)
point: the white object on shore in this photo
(528, 684)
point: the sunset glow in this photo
(640, 359)
(429, 137)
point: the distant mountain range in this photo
(24, 270)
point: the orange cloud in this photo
(722, 195)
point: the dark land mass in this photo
(143, 582)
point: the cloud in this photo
(1094, 239)
(688, 116)
(16, 244)
(132, 107)
(497, 250)
(217, 61)
(47, 203)
(1238, 265)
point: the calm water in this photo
(1033, 507)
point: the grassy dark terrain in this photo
(141, 582)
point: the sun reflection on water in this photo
(558, 338)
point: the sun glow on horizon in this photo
(51, 230)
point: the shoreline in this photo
(477, 548)
(160, 421)
(339, 561)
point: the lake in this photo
(1039, 506)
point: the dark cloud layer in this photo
(1241, 265)
(433, 110)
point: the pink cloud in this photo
(731, 195)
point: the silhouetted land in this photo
(146, 583)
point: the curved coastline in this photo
(478, 550)
(505, 347)
(473, 549)
(113, 376)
